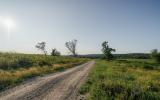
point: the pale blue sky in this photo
(129, 25)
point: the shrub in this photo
(157, 58)
(150, 67)
(55, 52)
(155, 55)
(24, 62)
(43, 63)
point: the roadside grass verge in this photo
(15, 68)
(123, 80)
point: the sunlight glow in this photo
(9, 24)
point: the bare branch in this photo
(71, 45)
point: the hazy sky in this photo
(129, 25)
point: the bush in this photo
(157, 58)
(55, 52)
(147, 66)
(24, 62)
(43, 63)
(155, 55)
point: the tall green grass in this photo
(10, 61)
(15, 68)
(123, 80)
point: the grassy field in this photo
(123, 80)
(15, 68)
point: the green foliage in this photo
(12, 62)
(154, 52)
(123, 80)
(107, 51)
(133, 56)
(157, 58)
(155, 55)
(55, 52)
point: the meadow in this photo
(123, 79)
(15, 68)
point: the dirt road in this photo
(59, 86)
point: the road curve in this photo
(59, 86)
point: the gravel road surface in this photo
(58, 86)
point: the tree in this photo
(71, 45)
(107, 51)
(42, 46)
(154, 52)
(155, 55)
(55, 52)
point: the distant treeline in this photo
(121, 56)
(133, 56)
